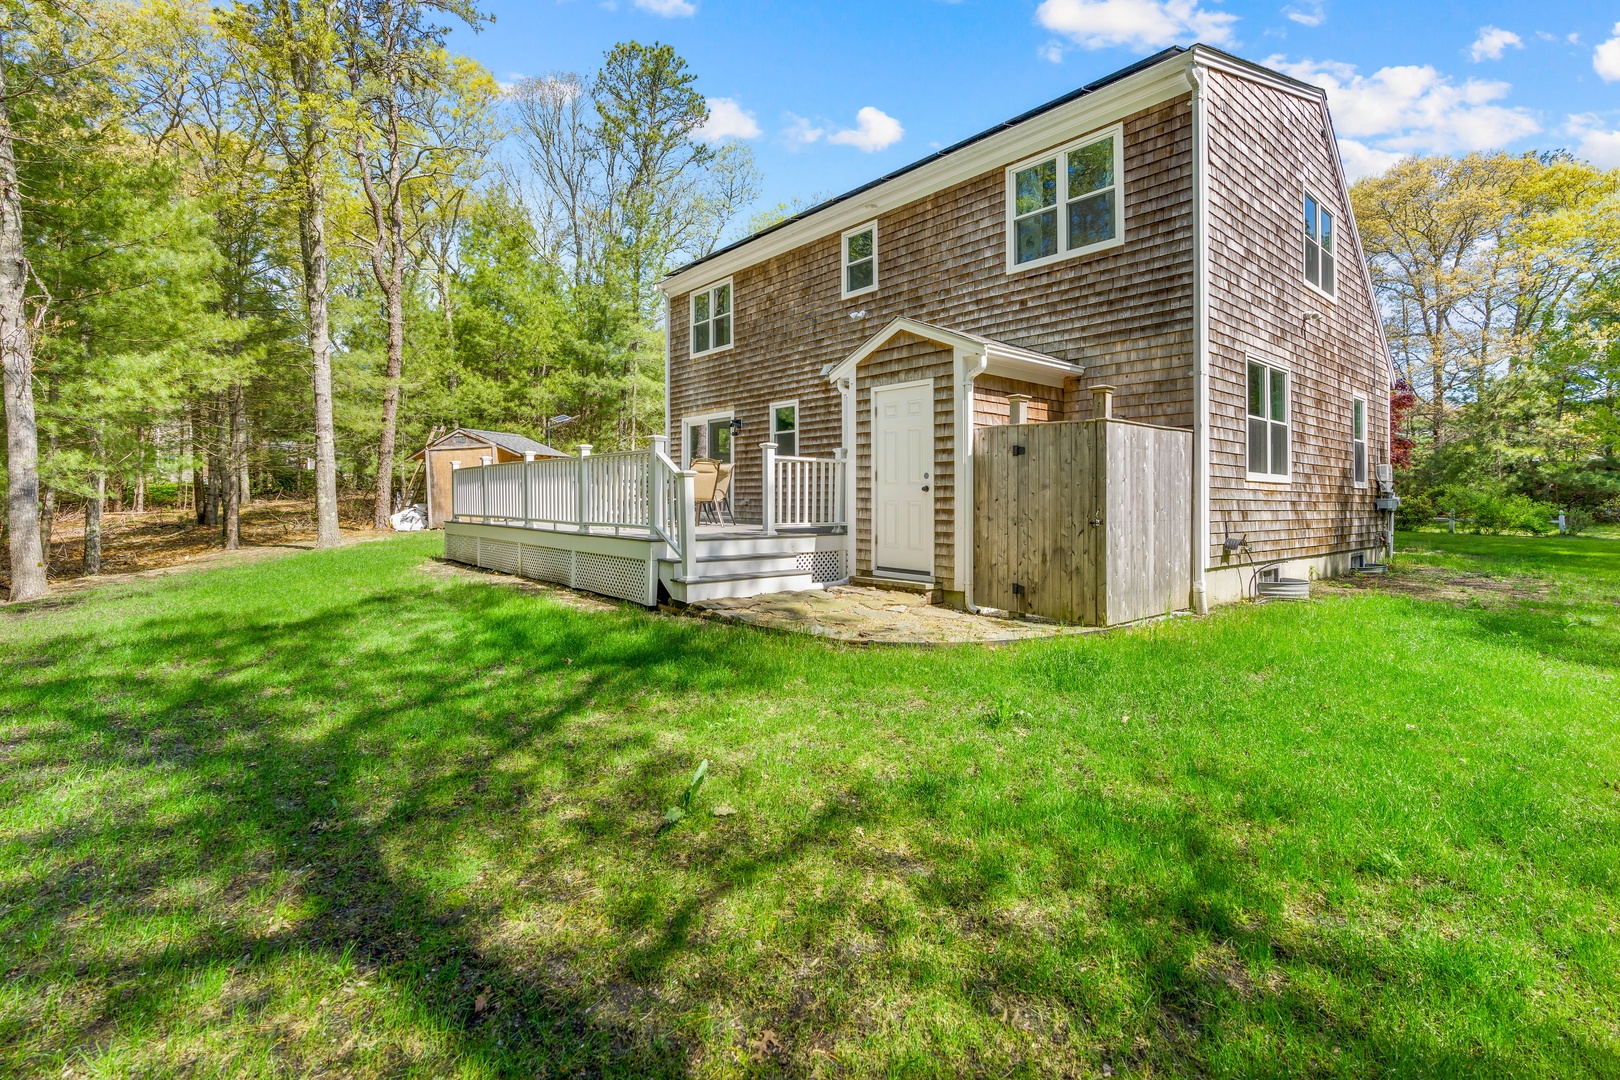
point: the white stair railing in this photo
(802, 492)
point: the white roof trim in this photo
(1009, 361)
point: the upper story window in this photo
(1066, 202)
(1358, 441)
(785, 427)
(1268, 422)
(1319, 226)
(711, 318)
(860, 260)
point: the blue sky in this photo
(830, 95)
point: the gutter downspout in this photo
(848, 425)
(1196, 74)
(968, 368)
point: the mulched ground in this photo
(160, 539)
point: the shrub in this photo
(1577, 521)
(1489, 511)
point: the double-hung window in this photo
(1318, 245)
(711, 318)
(1268, 422)
(1066, 202)
(785, 427)
(1358, 441)
(860, 260)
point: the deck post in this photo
(768, 488)
(454, 465)
(842, 454)
(483, 487)
(655, 487)
(581, 488)
(687, 504)
(528, 460)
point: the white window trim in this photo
(689, 422)
(770, 422)
(1338, 223)
(1366, 443)
(1270, 479)
(691, 303)
(1010, 182)
(843, 263)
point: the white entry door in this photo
(903, 478)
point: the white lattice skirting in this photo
(619, 576)
(824, 566)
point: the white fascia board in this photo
(1142, 90)
(900, 324)
(1043, 371)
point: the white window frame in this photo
(703, 420)
(1360, 443)
(1270, 364)
(1305, 243)
(1060, 156)
(771, 432)
(844, 263)
(691, 317)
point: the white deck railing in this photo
(803, 492)
(639, 491)
(642, 492)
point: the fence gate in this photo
(1084, 521)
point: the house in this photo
(1116, 356)
(468, 447)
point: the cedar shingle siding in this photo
(1265, 148)
(1126, 314)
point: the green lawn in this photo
(343, 813)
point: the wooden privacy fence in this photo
(1085, 521)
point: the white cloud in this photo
(669, 9)
(1052, 52)
(1593, 141)
(1308, 13)
(1411, 110)
(1606, 58)
(1140, 24)
(874, 130)
(1491, 42)
(801, 132)
(1363, 160)
(727, 120)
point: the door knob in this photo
(925, 487)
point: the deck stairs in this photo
(746, 563)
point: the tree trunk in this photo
(92, 512)
(309, 74)
(235, 465)
(17, 360)
(140, 470)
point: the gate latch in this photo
(1018, 450)
(1018, 590)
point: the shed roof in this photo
(506, 440)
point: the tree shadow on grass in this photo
(274, 727)
(211, 713)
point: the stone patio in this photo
(874, 616)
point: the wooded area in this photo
(268, 248)
(1499, 275)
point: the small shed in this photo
(467, 447)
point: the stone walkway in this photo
(874, 616)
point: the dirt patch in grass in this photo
(1457, 587)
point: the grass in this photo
(346, 814)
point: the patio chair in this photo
(720, 500)
(703, 485)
